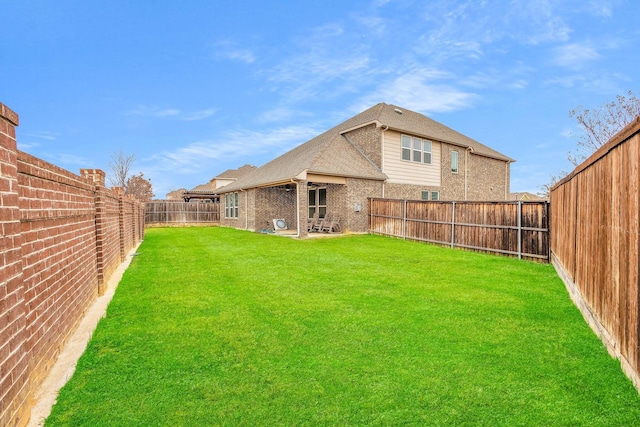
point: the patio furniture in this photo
(318, 226)
(333, 225)
(313, 222)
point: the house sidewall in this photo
(453, 183)
(275, 203)
(488, 179)
(357, 204)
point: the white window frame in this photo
(416, 150)
(430, 195)
(315, 205)
(454, 162)
(231, 205)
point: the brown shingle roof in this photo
(236, 173)
(330, 153)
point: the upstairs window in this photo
(454, 162)
(416, 150)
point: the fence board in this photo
(169, 212)
(509, 228)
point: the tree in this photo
(139, 187)
(120, 165)
(545, 189)
(602, 123)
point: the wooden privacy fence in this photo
(519, 229)
(169, 212)
(595, 243)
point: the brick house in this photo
(385, 151)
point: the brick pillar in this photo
(119, 191)
(303, 198)
(15, 387)
(98, 177)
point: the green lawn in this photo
(214, 326)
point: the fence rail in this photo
(168, 212)
(510, 228)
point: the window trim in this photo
(231, 205)
(430, 195)
(457, 165)
(316, 205)
(416, 150)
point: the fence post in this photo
(453, 223)
(519, 229)
(404, 221)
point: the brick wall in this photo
(369, 140)
(275, 202)
(63, 235)
(358, 192)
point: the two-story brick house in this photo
(385, 151)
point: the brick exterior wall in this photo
(358, 192)
(59, 246)
(275, 202)
(452, 184)
(487, 179)
(369, 140)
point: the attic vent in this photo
(397, 110)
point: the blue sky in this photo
(193, 88)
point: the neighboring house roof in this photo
(331, 153)
(203, 187)
(525, 196)
(236, 173)
(175, 194)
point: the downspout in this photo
(466, 173)
(246, 208)
(506, 181)
(384, 183)
(297, 207)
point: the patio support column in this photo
(303, 208)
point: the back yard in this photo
(214, 326)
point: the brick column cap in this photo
(97, 176)
(9, 115)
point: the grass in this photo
(214, 326)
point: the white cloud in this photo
(198, 115)
(164, 113)
(602, 8)
(50, 136)
(226, 49)
(420, 90)
(575, 55)
(234, 145)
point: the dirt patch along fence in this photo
(519, 229)
(63, 236)
(595, 245)
(167, 212)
